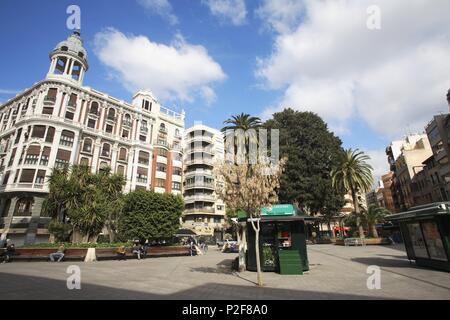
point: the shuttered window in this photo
(144, 157)
(27, 176)
(50, 134)
(38, 132)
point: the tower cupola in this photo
(69, 59)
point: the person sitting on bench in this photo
(121, 253)
(9, 252)
(59, 255)
(137, 249)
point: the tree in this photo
(353, 174)
(374, 215)
(85, 200)
(150, 215)
(250, 188)
(242, 121)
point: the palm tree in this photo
(353, 174)
(243, 129)
(374, 215)
(242, 121)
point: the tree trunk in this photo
(330, 231)
(256, 228)
(358, 214)
(86, 238)
(374, 230)
(242, 250)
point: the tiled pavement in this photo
(336, 273)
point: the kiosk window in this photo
(434, 241)
(417, 240)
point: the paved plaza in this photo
(335, 273)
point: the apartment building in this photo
(204, 211)
(59, 122)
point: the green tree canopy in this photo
(312, 151)
(150, 215)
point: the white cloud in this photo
(281, 15)
(332, 64)
(234, 11)
(179, 71)
(379, 163)
(162, 8)
(8, 91)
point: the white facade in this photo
(204, 211)
(59, 122)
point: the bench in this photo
(354, 242)
(43, 254)
(152, 252)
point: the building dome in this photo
(73, 46)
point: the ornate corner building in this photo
(59, 122)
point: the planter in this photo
(366, 241)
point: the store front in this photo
(426, 234)
(282, 241)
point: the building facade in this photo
(204, 211)
(59, 122)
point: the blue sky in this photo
(217, 58)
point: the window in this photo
(125, 134)
(177, 156)
(91, 123)
(69, 115)
(50, 134)
(76, 71)
(38, 132)
(67, 138)
(147, 105)
(51, 95)
(161, 167)
(177, 171)
(123, 154)
(142, 138)
(220, 208)
(127, 120)
(19, 133)
(142, 175)
(84, 161)
(109, 128)
(121, 170)
(13, 155)
(45, 156)
(176, 186)
(94, 108)
(144, 158)
(162, 128)
(27, 176)
(40, 177)
(6, 178)
(61, 64)
(103, 166)
(32, 156)
(87, 145)
(111, 114)
(177, 133)
(160, 183)
(64, 48)
(62, 158)
(106, 150)
(24, 207)
(72, 100)
(144, 126)
(47, 110)
(162, 152)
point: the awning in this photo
(420, 212)
(186, 233)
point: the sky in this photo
(374, 70)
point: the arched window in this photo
(81, 54)
(24, 207)
(111, 114)
(127, 120)
(87, 145)
(162, 128)
(106, 150)
(123, 154)
(60, 65)
(177, 132)
(94, 108)
(76, 71)
(64, 48)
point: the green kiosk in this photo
(426, 233)
(282, 240)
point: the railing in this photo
(144, 129)
(162, 143)
(199, 210)
(127, 124)
(162, 129)
(205, 197)
(49, 100)
(170, 113)
(200, 138)
(200, 185)
(199, 161)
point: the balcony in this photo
(111, 119)
(162, 130)
(199, 210)
(162, 143)
(127, 124)
(199, 161)
(199, 138)
(49, 100)
(206, 185)
(200, 197)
